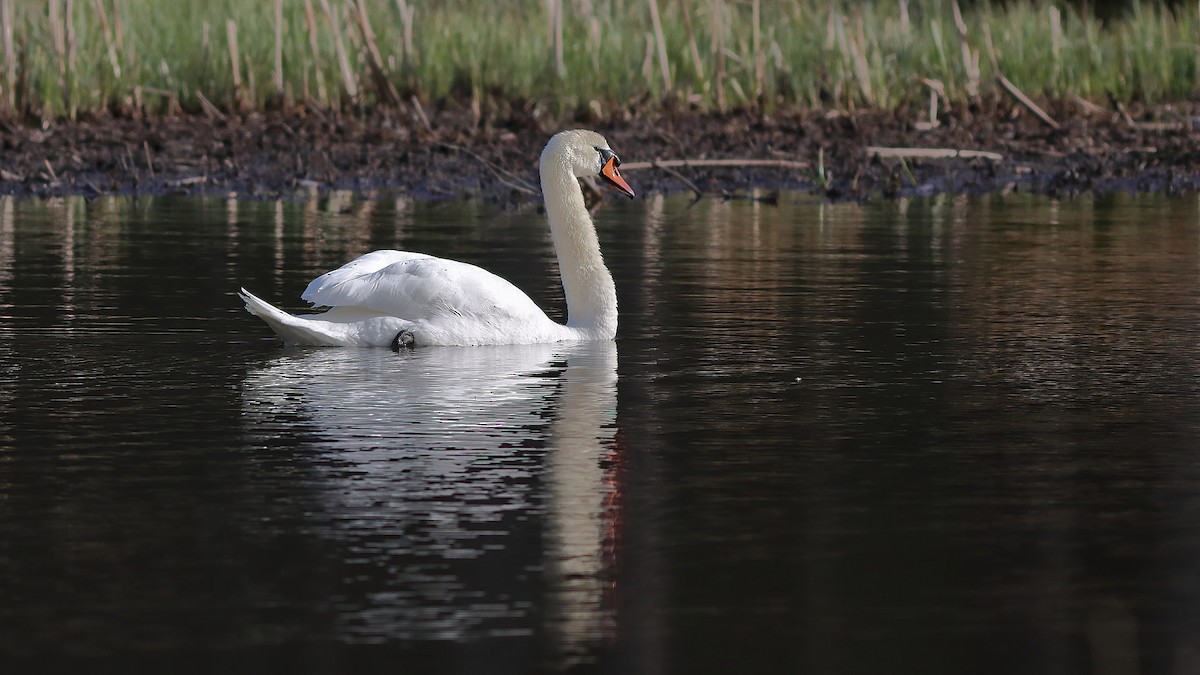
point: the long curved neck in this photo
(587, 283)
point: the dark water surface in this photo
(959, 435)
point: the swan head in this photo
(586, 153)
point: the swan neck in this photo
(587, 284)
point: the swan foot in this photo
(403, 340)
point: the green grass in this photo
(811, 53)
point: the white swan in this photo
(399, 298)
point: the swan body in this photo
(374, 299)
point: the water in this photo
(941, 436)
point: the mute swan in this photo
(399, 298)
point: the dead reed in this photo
(62, 57)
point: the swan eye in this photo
(605, 155)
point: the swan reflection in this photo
(473, 491)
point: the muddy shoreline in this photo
(448, 154)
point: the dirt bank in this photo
(276, 154)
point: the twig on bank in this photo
(503, 176)
(420, 110)
(1120, 108)
(723, 163)
(691, 186)
(1026, 101)
(668, 166)
(208, 107)
(933, 153)
(173, 107)
(1011, 88)
(1087, 106)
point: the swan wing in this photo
(363, 265)
(415, 286)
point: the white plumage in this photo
(446, 302)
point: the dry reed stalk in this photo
(118, 26)
(9, 99)
(760, 58)
(905, 21)
(937, 90)
(69, 32)
(560, 67)
(149, 160)
(970, 56)
(251, 85)
(648, 61)
(861, 66)
(109, 42)
(717, 16)
(853, 52)
(348, 80)
(277, 75)
(661, 40)
(238, 86)
(406, 19)
(991, 48)
(310, 22)
(383, 86)
(1056, 33)
(59, 37)
(687, 24)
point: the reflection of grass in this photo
(135, 55)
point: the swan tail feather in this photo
(291, 329)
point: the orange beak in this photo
(613, 176)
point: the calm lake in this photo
(954, 435)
